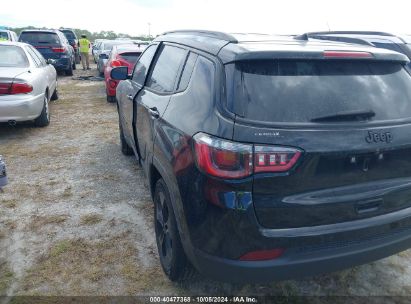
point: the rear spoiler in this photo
(322, 55)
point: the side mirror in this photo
(103, 56)
(51, 61)
(119, 73)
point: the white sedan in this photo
(27, 83)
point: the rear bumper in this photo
(20, 107)
(62, 64)
(109, 89)
(296, 263)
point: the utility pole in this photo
(149, 30)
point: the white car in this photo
(27, 83)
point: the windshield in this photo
(301, 91)
(13, 56)
(130, 57)
(69, 35)
(4, 36)
(107, 46)
(39, 38)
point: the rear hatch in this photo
(47, 43)
(349, 118)
(128, 59)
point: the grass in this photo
(72, 265)
(6, 278)
(39, 222)
(90, 219)
(9, 203)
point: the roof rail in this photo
(343, 39)
(210, 34)
(351, 33)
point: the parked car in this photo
(270, 157)
(102, 53)
(398, 43)
(52, 44)
(94, 46)
(27, 83)
(3, 173)
(121, 55)
(73, 40)
(8, 35)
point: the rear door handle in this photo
(154, 112)
(130, 97)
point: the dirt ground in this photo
(77, 218)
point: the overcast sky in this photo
(282, 17)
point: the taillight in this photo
(263, 255)
(15, 88)
(347, 54)
(116, 63)
(5, 88)
(112, 83)
(20, 88)
(58, 49)
(274, 159)
(227, 159)
(223, 158)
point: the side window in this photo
(142, 65)
(36, 60)
(163, 77)
(188, 70)
(39, 56)
(203, 77)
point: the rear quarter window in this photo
(299, 91)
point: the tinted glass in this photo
(299, 91)
(166, 68)
(142, 66)
(69, 35)
(188, 70)
(13, 56)
(108, 45)
(39, 38)
(130, 57)
(4, 35)
(38, 55)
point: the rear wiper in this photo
(356, 115)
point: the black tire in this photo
(55, 95)
(69, 72)
(111, 99)
(170, 250)
(125, 148)
(44, 119)
(74, 64)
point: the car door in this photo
(128, 89)
(152, 100)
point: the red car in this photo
(121, 55)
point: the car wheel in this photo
(74, 64)
(55, 95)
(69, 72)
(44, 119)
(125, 148)
(172, 257)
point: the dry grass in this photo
(6, 277)
(90, 219)
(39, 222)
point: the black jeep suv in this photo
(270, 157)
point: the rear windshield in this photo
(108, 45)
(130, 57)
(13, 56)
(69, 35)
(302, 91)
(4, 35)
(39, 38)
